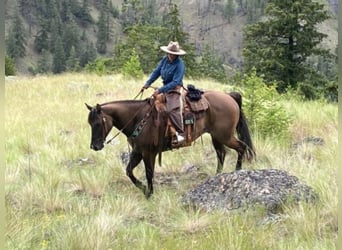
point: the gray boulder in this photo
(242, 189)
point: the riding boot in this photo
(176, 138)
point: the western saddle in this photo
(194, 107)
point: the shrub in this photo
(100, 66)
(266, 116)
(9, 66)
(132, 67)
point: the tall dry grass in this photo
(62, 195)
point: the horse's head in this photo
(100, 124)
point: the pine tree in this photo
(132, 67)
(73, 62)
(16, 41)
(41, 40)
(58, 64)
(84, 14)
(280, 46)
(174, 32)
(211, 66)
(102, 35)
(70, 36)
(44, 62)
(228, 10)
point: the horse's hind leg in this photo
(221, 154)
(134, 160)
(240, 148)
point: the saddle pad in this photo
(197, 106)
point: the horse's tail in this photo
(242, 128)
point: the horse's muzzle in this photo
(96, 147)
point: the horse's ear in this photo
(88, 106)
(98, 108)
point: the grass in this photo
(62, 195)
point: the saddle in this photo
(194, 107)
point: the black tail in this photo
(242, 128)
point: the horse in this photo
(145, 128)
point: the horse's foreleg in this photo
(134, 160)
(221, 154)
(149, 161)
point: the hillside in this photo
(201, 19)
(60, 194)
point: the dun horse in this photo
(146, 130)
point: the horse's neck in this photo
(123, 113)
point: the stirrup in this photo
(179, 138)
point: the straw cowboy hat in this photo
(173, 48)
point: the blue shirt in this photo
(171, 73)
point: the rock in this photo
(271, 188)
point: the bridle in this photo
(104, 128)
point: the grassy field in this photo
(62, 195)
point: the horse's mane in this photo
(126, 101)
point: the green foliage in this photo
(9, 66)
(44, 63)
(41, 40)
(132, 67)
(228, 10)
(211, 66)
(279, 46)
(143, 39)
(83, 14)
(100, 66)
(174, 32)
(73, 62)
(58, 64)
(16, 41)
(70, 37)
(87, 53)
(265, 114)
(101, 42)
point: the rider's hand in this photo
(143, 88)
(156, 92)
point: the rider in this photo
(171, 69)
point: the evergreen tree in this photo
(132, 67)
(132, 13)
(41, 40)
(58, 64)
(55, 32)
(84, 14)
(88, 54)
(73, 62)
(279, 46)
(70, 36)
(16, 41)
(44, 62)
(212, 66)
(102, 35)
(228, 10)
(174, 32)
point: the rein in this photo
(120, 131)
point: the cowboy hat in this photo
(173, 48)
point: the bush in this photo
(266, 116)
(132, 67)
(9, 66)
(100, 66)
